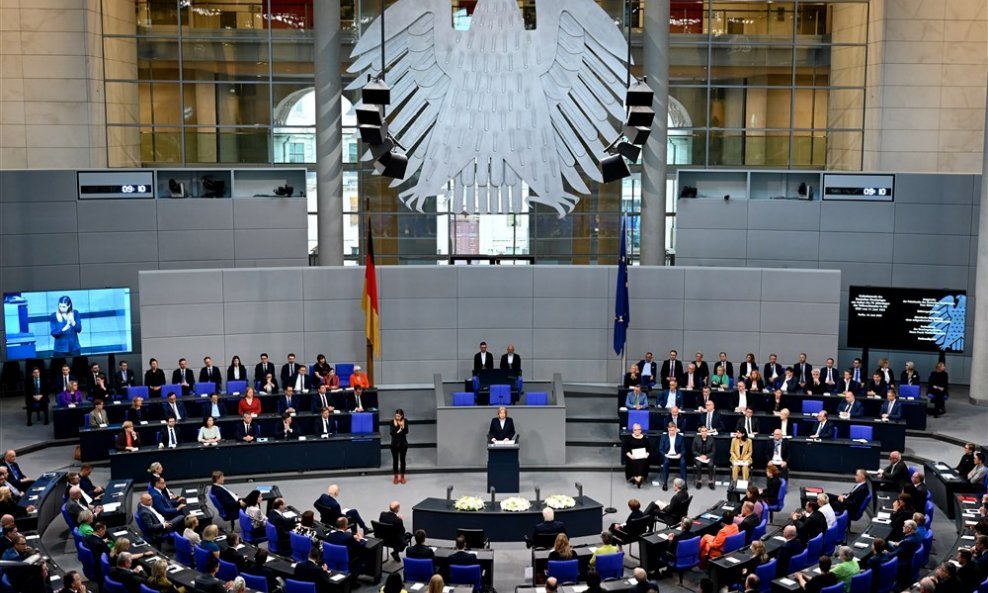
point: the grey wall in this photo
(51, 240)
(560, 318)
(927, 238)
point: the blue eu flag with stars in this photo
(622, 307)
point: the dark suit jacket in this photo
(228, 554)
(419, 551)
(741, 423)
(122, 381)
(329, 509)
(663, 397)
(785, 553)
(310, 572)
(665, 371)
(130, 580)
(97, 546)
(514, 367)
(150, 523)
(287, 372)
(496, 432)
(549, 527)
(58, 384)
(909, 378)
(283, 404)
(487, 364)
(702, 369)
(854, 498)
(802, 373)
(679, 505)
(462, 558)
(163, 440)
(655, 370)
(231, 506)
(344, 538)
(243, 430)
(826, 431)
(166, 410)
(771, 491)
(262, 369)
(789, 386)
(136, 415)
(205, 376)
(680, 421)
(845, 386)
(768, 369)
(243, 374)
(30, 391)
(834, 372)
(896, 413)
(190, 379)
(749, 523)
(400, 540)
(698, 380)
(267, 573)
(308, 383)
(207, 583)
(854, 409)
(715, 423)
(163, 504)
(880, 388)
(809, 527)
(679, 447)
(897, 474)
(770, 449)
(283, 525)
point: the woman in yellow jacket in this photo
(741, 448)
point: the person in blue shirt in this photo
(65, 325)
(891, 407)
(637, 399)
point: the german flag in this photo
(372, 319)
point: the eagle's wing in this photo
(420, 40)
(948, 318)
(584, 83)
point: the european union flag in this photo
(622, 307)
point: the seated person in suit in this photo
(793, 546)
(721, 380)
(673, 449)
(169, 437)
(173, 408)
(163, 503)
(394, 518)
(786, 425)
(816, 386)
(289, 369)
(330, 509)
(229, 553)
(773, 372)
(675, 509)
(909, 376)
(820, 581)
(824, 428)
(325, 425)
(214, 407)
(321, 399)
(671, 396)
(360, 403)
(704, 451)
(917, 488)
(136, 413)
(905, 549)
(359, 378)
(637, 399)
(287, 429)
(36, 398)
(97, 385)
(123, 378)
(743, 395)
(692, 379)
(810, 522)
(128, 439)
(283, 524)
(288, 403)
(876, 386)
(419, 549)
(777, 451)
(207, 581)
(131, 577)
(502, 428)
(847, 384)
(788, 383)
(748, 519)
(300, 382)
(675, 417)
(895, 473)
(268, 384)
(748, 423)
(802, 370)
(230, 502)
(851, 408)
(98, 416)
(511, 361)
(649, 371)
(710, 417)
(548, 525)
(354, 543)
(462, 556)
(247, 431)
(210, 374)
(851, 500)
(635, 513)
(71, 396)
(152, 522)
(313, 570)
(891, 408)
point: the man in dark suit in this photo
(548, 525)
(152, 523)
(163, 503)
(692, 379)
(772, 372)
(172, 408)
(36, 397)
(673, 450)
(283, 525)
(777, 451)
(461, 556)
(15, 475)
(97, 543)
(321, 399)
(816, 386)
(330, 510)
(648, 370)
(123, 378)
(723, 362)
(847, 384)
(876, 386)
(230, 502)
(211, 374)
(184, 376)
(895, 473)
(905, 549)
(262, 368)
(748, 423)
(801, 370)
(313, 570)
(289, 370)
(169, 437)
(393, 517)
(749, 520)
(792, 547)
(677, 507)
(248, 430)
(701, 367)
(482, 360)
(229, 552)
(917, 489)
(789, 383)
(502, 428)
(675, 417)
(97, 387)
(710, 418)
(355, 544)
(419, 549)
(851, 501)
(857, 372)
(891, 408)
(851, 407)
(824, 428)
(511, 361)
(131, 578)
(671, 369)
(671, 396)
(61, 382)
(300, 381)
(288, 402)
(206, 581)
(810, 522)
(704, 450)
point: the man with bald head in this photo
(330, 510)
(511, 361)
(152, 523)
(792, 547)
(398, 541)
(15, 475)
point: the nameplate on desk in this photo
(337, 577)
(732, 560)
(174, 568)
(416, 586)
(71, 405)
(324, 435)
(111, 507)
(292, 515)
(270, 559)
(33, 498)
(33, 536)
(104, 425)
(787, 581)
(860, 545)
(579, 588)
(301, 438)
(143, 422)
(779, 537)
(192, 499)
(120, 533)
(968, 537)
(262, 440)
(236, 393)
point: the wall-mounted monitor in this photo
(930, 320)
(67, 323)
(858, 187)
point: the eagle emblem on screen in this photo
(947, 320)
(495, 106)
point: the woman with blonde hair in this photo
(436, 584)
(561, 550)
(159, 579)
(209, 535)
(190, 534)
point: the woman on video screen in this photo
(65, 323)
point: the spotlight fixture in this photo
(389, 161)
(639, 95)
(369, 115)
(373, 134)
(635, 132)
(377, 92)
(641, 116)
(628, 151)
(613, 168)
(392, 164)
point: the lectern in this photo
(502, 466)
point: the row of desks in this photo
(891, 435)
(945, 484)
(96, 443)
(66, 421)
(654, 547)
(840, 456)
(860, 547)
(913, 410)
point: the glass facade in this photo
(773, 84)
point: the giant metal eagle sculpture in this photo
(496, 105)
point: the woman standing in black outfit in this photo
(399, 445)
(937, 388)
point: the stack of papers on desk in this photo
(192, 500)
(416, 586)
(732, 560)
(741, 485)
(110, 507)
(121, 533)
(787, 581)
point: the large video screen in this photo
(66, 322)
(906, 318)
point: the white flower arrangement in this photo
(515, 504)
(469, 503)
(560, 501)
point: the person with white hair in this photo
(549, 525)
(847, 566)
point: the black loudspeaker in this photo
(637, 134)
(376, 92)
(629, 151)
(392, 164)
(374, 134)
(369, 115)
(639, 95)
(613, 168)
(641, 116)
